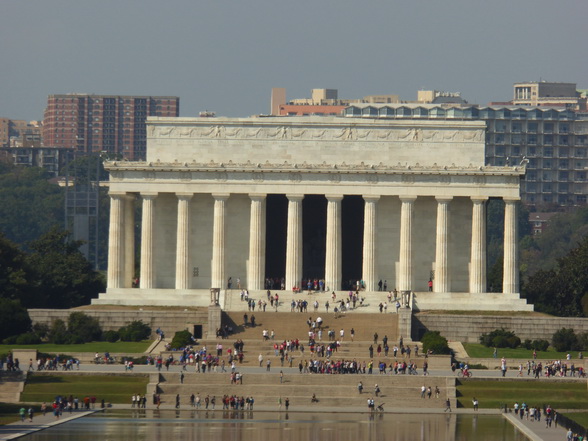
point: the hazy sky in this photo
(226, 55)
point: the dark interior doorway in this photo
(275, 245)
(314, 236)
(352, 214)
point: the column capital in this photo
(117, 194)
(512, 200)
(221, 196)
(371, 198)
(149, 195)
(444, 199)
(407, 198)
(479, 199)
(257, 196)
(295, 197)
(184, 196)
(334, 197)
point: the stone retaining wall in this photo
(468, 328)
(168, 321)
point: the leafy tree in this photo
(563, 290)
(31, 204)
(14, 318)
(83, 326)
(65, 278)
(14, 273)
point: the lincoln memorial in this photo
(291, 199)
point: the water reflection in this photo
(227, 425)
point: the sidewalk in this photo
(536, 430)
(40, 422)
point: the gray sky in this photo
(226, 55)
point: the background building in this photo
(18, 133)
(104, 123)
(542, 93)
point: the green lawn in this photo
(111, 388)
(9, 413)
(97, 346)
(579, 417)
(491, 393)
(477, 350)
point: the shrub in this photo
(435, 342)
(111, 336)
(41, 330)
(528, 344)
(83, 326)
(500, 338)
(58, 332)
(10, 340)
(540, 345)
(583, 341)
(30, 338)
(14, 318)
(135, 331)
(564, 340)
(182, 339)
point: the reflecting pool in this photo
(119, 425)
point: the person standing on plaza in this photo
(447, 405)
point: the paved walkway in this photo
(40, 422)
(537, 430)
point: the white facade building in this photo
(228, 197)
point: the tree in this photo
(31, 205)
(14, 318)
(65, 278)
(563, 290)
(14, 273)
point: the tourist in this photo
(30, 412)
(437, 392)
(447, 405)
(22, 413)
(423, 391)
(475, 403)
(360, 387)
(287, 403)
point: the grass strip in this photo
(98, 346)
(112, 388)
(493, 393)
(477, 350)
(9, 413)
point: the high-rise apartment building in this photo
(19, 133)
(104, 123)
(552, 141)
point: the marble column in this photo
(370, 228)
(129, 237)
(441, 282)
(218, 241)
(294, 242)
(257, 228)
(183, 241)
(405, 267)
(115, 242)
(478, 248)
(510, 282)
(333, 257)
(146, 278)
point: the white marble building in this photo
(422, 186)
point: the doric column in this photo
(441, 282)
(146, 277)
(478, 249)
(129, 235)
(370, 228)
(405, 267)
(256, 268)
(115, 242)
(182, 241)
(333, 259)
(294, 241)
(218, 241)
(510, 282)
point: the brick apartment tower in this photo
(96, 123)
